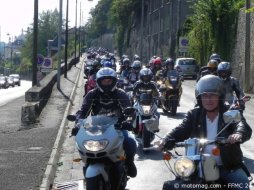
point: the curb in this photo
(49, 174)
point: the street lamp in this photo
(11, 41)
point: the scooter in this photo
(195, 168)
(100, 145)
(146, 107)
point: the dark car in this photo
(16, 78)
(187, 67)
(4, 82)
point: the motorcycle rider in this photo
(211, 68)
(134, 74)
(144, 84)
(231, 84)
(210, 65)
(111, 101)
(169, 70)
(156, 66)
(125, 69)
(205, 121)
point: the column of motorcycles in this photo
(100, 144)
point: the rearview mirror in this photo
(71, 117)
(232, 115)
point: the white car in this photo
(16, 78)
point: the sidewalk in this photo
(61, 159)
(68, 172)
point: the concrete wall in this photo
(37, 96)
(238, 57)
(162, 21)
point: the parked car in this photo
(4, 82)
(187, 67)
(11, 81)
(16, 78)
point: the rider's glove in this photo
(127, 126)
(169, 144)
(242, 104)
(74, 131)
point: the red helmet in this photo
(157, 61)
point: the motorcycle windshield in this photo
(146, 99)
(99, 120)
(172, 74)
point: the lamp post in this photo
(59, 44)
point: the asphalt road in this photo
(25, 151)
(152, 171)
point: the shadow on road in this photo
(148, 155)
(179, 115)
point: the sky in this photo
(16, 15)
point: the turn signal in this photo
(166, 156)
(216, 151)
(77, 159)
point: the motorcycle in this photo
(146, 107)
(171, 91)
(100, 145)
(195, 168)
(90, 83)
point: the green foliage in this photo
(122, 14)
(47, 29)
(212, 28)
(98, 23)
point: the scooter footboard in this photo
(95, 170)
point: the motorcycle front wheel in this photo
(146, 137)
(174, 104)
(96, 183)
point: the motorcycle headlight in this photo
(184, 167)
(95, 145)
(146, 109)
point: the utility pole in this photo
(66, 39)
(247, 48)
(79, 30)
(35, 44)
(59, 44)
(75, 33)
(141, 30)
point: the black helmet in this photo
(136, 65)
(106, 73)
(209, 84)
(126, 62)
(224, 70)
(216, 57)
(145, 75)
(169, 62)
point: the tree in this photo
(213, 28)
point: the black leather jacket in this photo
(140, 87)
(232, 85)
(194, 126)
(111, 104)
